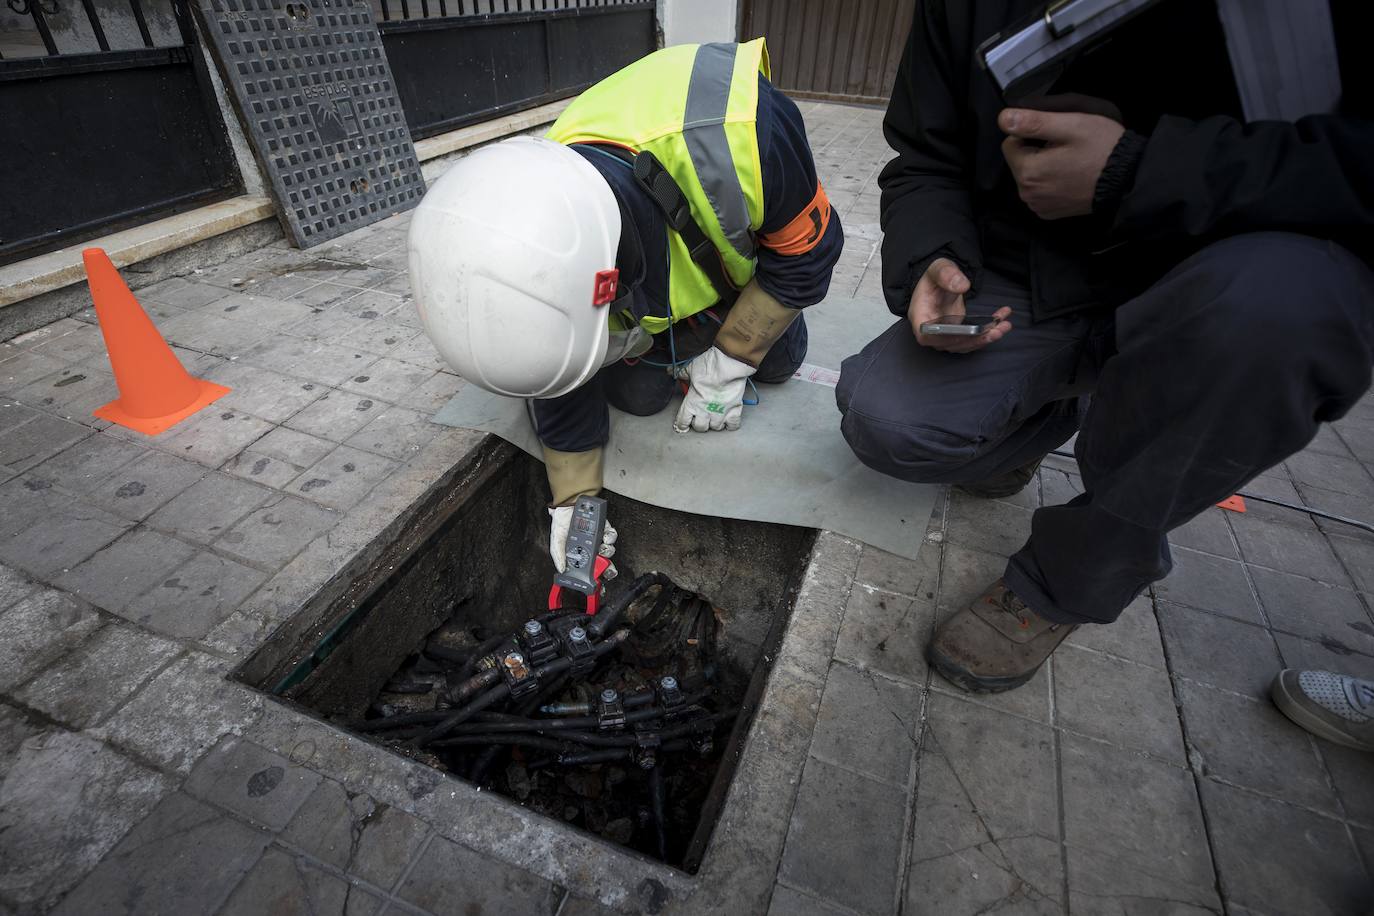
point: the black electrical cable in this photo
(631, 701)
(657, 807)
(595, 740)
(445, 654)
(491, 697)
(490, 757)
(482, 679)
(502, 690)
(508, 723)
(606, 618)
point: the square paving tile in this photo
(397, 433)
(1129, 705)
(387, 379)
(966, 574)
(259, 309)
(182, 713)
(845, 838)
(119, 573)
(312, 360)
(264, 393)
(419, 350)
(324, 295)
(39, 630)
(195, 597)
(863, 710)
(211, 333)
(95, 677)
(66, 533)
(1341, 505)
(209, 507)
(1330, 472)
(1314, 609)
(447, 872)
(433, 394)
(25, 368)
(1211, 583)
(887, 633)
(185, 858)
(1249, 743)
(68, 386)
(271, 535)
(214, 435)
(287, 885)
(994, 527)
(1134, 636)
(1208, 533)
(379, 336)
(1280, 859)
(1133, 827)
(337, 415)
(966, 754)
(917, 578)
(37, 440)
(81, 467)
(1304, 552)
(1218, 650)
(1358, 557)
(252, 782)
(343, 477)
(65, 802)
(138, 487)
(182, 293)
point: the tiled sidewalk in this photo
(1144, 771)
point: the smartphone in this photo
(960, 325)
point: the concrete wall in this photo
(691, 21)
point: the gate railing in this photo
(108, 117)
(457, 62)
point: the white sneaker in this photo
(1331, 706)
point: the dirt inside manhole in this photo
(422, 651)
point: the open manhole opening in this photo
(424, 632)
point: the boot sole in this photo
(1293, 708)
(969, 682)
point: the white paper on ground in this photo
(787, 464)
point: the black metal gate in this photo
(107, 120)
(456, 62)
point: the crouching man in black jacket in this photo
(1188, 291)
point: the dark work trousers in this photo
(643, 389)
(1222, 369)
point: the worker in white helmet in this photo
(670, 228)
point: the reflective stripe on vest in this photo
(694, 107)
(703, 127)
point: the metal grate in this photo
(316, 95)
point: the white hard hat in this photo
(512, 261)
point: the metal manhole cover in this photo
(316, 97)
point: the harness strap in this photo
(664, 191)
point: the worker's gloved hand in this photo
(573, 474)
(715, 398)
(558, 539)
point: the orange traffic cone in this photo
(155, 392)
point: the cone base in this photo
(209, 392)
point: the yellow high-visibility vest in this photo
(694, 107)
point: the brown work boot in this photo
(1003, 485)
(994, 644)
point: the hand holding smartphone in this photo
(960, 325)
(938, 300)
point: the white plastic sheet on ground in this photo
(788, 464)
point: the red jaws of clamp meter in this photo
(594, 599)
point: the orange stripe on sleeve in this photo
(806, 231)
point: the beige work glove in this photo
(715, 398)
(573, 474)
